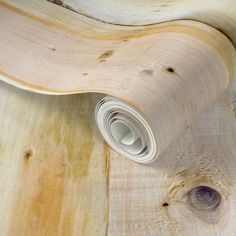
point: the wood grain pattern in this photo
(153, 200)
(54, 173)
(53, 165)
(184, 65)
(217, 13)
(72, 63)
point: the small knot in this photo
(165, 204)
(28, 154)
(170, 69)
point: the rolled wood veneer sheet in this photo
(156, 79)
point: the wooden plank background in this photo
(53, 165)
(58, 177)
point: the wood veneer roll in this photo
(159, 78)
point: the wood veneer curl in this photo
(168, 73)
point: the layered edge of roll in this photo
(125, 130)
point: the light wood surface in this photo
(57, 175)
(183, 65)
(59, 178)
(84, 59)
(53, 165)
(217, 13)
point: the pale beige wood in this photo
(184, 65)
(36, 188)
(140, 15)
(53, 165)
(204, 155)
(217, 13)
(78, 62)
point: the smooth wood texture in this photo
(53, 165)
(76, 62)
(133, 16)
(184, 65)
(217, 13)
